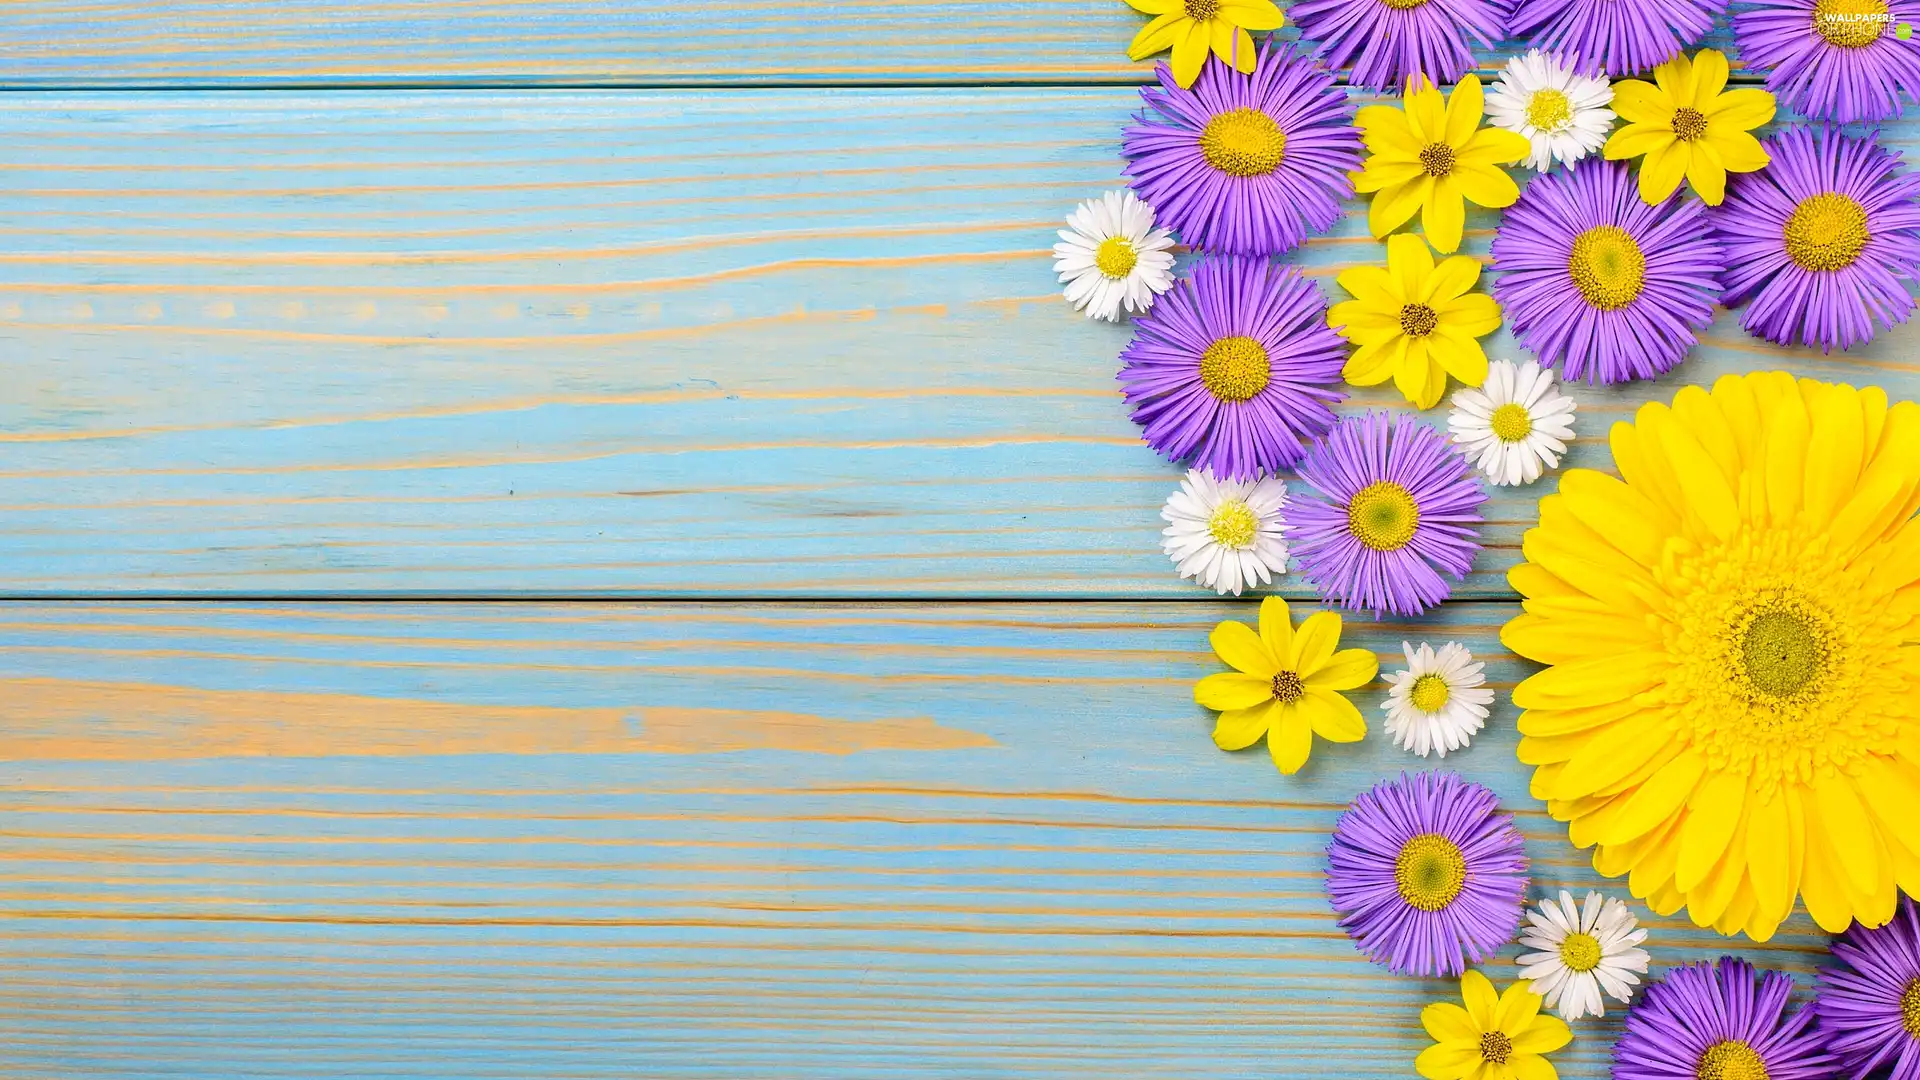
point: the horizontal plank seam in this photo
(1738, 78)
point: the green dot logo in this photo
(1903, 31)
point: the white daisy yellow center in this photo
(1495, 1047)
(1429, 693)
(1826, 232)
(1607, 266)
(1235, 368)
(1115, 257)
(1730, 1059)
(1549, 109)
(1429, 871)
(1243, 142)
(1580, 951)
(1850, 24)
(1511, 424)
(1383, 516)
(1233, 525)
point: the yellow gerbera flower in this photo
(1414, 322)
(1433, 156)
(1733, 710)
(1285, 684)
(1496, 1037)
(1689, 126)
(1191, 27)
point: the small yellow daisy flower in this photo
(1496, 1035)
(1191, 27)
(1433, 156)
(1285, 684)
(1414, 322)
(1689, 126)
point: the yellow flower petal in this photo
(1252, 14)
(1393, 206)
(1739, 152)
(1375, 364)
(1743, 109)
(1533, 1067)
(1237, 729)
(1675, 79)
(1448, 1061)
(1190, 47)
(1371, 285)
(1239, 647)
(1157, 36)
(1483, 1004)
(1460, 357)
(1704, 172)
(1348, 669)
(1848, 831)
(1289, 739)
(1469, 314)
(1495, 146)
(1333, 717)
(1232, 45)
(1410, 378)
(1709, 77)
(1447, 1022)
(1637, 139)
(1276, 629)
(1543, 1036)
(1519, 1006)
(1486, 185)
(1385, 129)
(1411, 263)
(1662, 171)
(1157, 7)
(1714, 811)
(1427, 113)
(1314, 642)
(1464, 110)
(1451, 278)
(1229, 690)
(1640, 102)
(1444, 216)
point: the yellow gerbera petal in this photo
(1239, 647)
(1289, 739)
(1444, 216)
(1229, 690)
(1714, 811)
(1237, 729)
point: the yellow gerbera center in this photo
(1436, 159)
(1511, 424)
(1383, 516)
(1495, 1047)
(1826, 232)
(1429, 871)
(1851, 24)
(1418, 320)
(1288, 687)
(1730, 1059)
(1783, 646)
(1202, 10)
(1429, 693)
(1549, 109)
(1910, 1007)
(1235, 368)
(1580, 952)
(1233, 525)
(1607, 266)
(1689, 123)
(1243, 142)
(1115, 257)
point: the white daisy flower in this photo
(1564, 115)
(1225, 533)
(1439, 702)
(1581, 952)
(1111, 256)
(1515, 426)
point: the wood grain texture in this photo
(438, 43)
(569, 343)
(1070, 882)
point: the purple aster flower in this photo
(1234, 367)
(1391, 41)
(1833, 61)
(1820, 239)
(1710, 1022)
(1427, 874)
(1246, 164)
(1391, 506)
(1619, 37)
(1600, 284)
(1869, 1010)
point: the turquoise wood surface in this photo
(720, 840)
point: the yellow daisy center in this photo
(1235, 368)
(1429, 693)
(1580, 952)
(1730, 1059)
(1233, 525)
(1910, 1008)
(1495, 1047)
(1288, 687)
(1826, 232)
(1607, 266)
(1383, 516)
(1243, 142)
(1850, 24)
(1418, 320)
(1429, 871)
(1511, 424)
(1689, 123)
(1115, 257)
(1549, 109)
(1437, 159)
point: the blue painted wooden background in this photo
(577, 540)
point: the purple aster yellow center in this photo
(1403, 5)
(1495, 1047)
(1689, 123)
(1288, 687)
(1436, 159)
(1607, 266)
(1235, 368)
(1383, 516)
(1243, 142)
(1910, 1007)
(1851, 24)
(1826, 232)
(1429, 871)
(1730, 1059)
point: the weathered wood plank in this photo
(307, 43)
(576, 343)
(690, 840)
